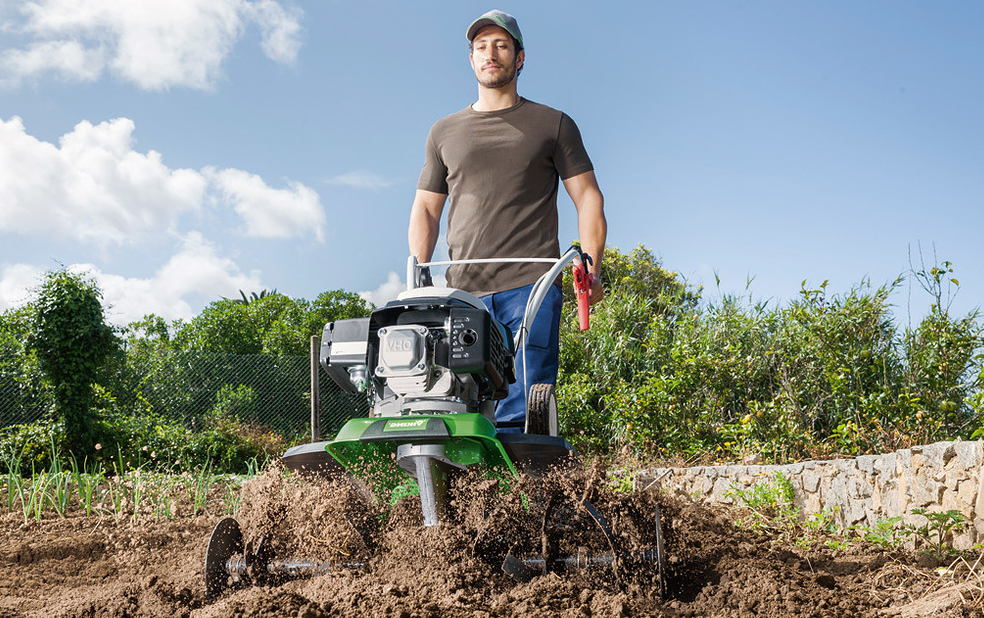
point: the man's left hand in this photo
(597, 291)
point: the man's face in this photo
(494, 58)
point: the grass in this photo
(68, 486)
(87, 482)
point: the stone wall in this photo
(938, 477)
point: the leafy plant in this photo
(824, 522)
(231, 499)
(837, 544)
(37, 496)
(886, 532)
(939, 527)
(769, 505)
(62, 483)
(72, 342)
(663, 372)
(621, 480)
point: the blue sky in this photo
(183, 150)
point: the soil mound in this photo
(385, 563)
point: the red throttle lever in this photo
(582, 286)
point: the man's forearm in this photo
(593, 243)
(425, 224)
(592, 230)
(422, 238)
(592, 227)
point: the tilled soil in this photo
(150, 567)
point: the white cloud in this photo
(68, 60)
(361, 180)
(268, 212)
(386, 291)
(392, 287)
(155, 44)
(281, 29)
(16, 283)
(94, 187)
(196, 270)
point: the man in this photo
(499, 160)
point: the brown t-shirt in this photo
(500, 170)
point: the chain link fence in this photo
(273, 391)
(21, 399)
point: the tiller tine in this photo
(229, 563)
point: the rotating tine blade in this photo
(226, 541)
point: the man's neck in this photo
(494, 99)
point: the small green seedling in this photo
(939, 526)
(824, 522)
(885, 533)
(770, 504)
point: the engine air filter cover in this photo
(403, 350)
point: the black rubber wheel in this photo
(541, 411)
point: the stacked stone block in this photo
(856, 492)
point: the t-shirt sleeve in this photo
(434, 175)
(570, 157)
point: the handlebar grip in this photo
(582, 287)
(425, 277)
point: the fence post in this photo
(315, 390)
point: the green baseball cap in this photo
(496, 17)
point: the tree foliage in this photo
(268, 324)
(662, 371)
(71, 341)
(180, 389)
(180, 370)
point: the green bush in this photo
(662, 372)
(128, 443)
(71, 341)
(31, 445)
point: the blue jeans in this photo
(542, 346)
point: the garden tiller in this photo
(433, 364)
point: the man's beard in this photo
(498, 80)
